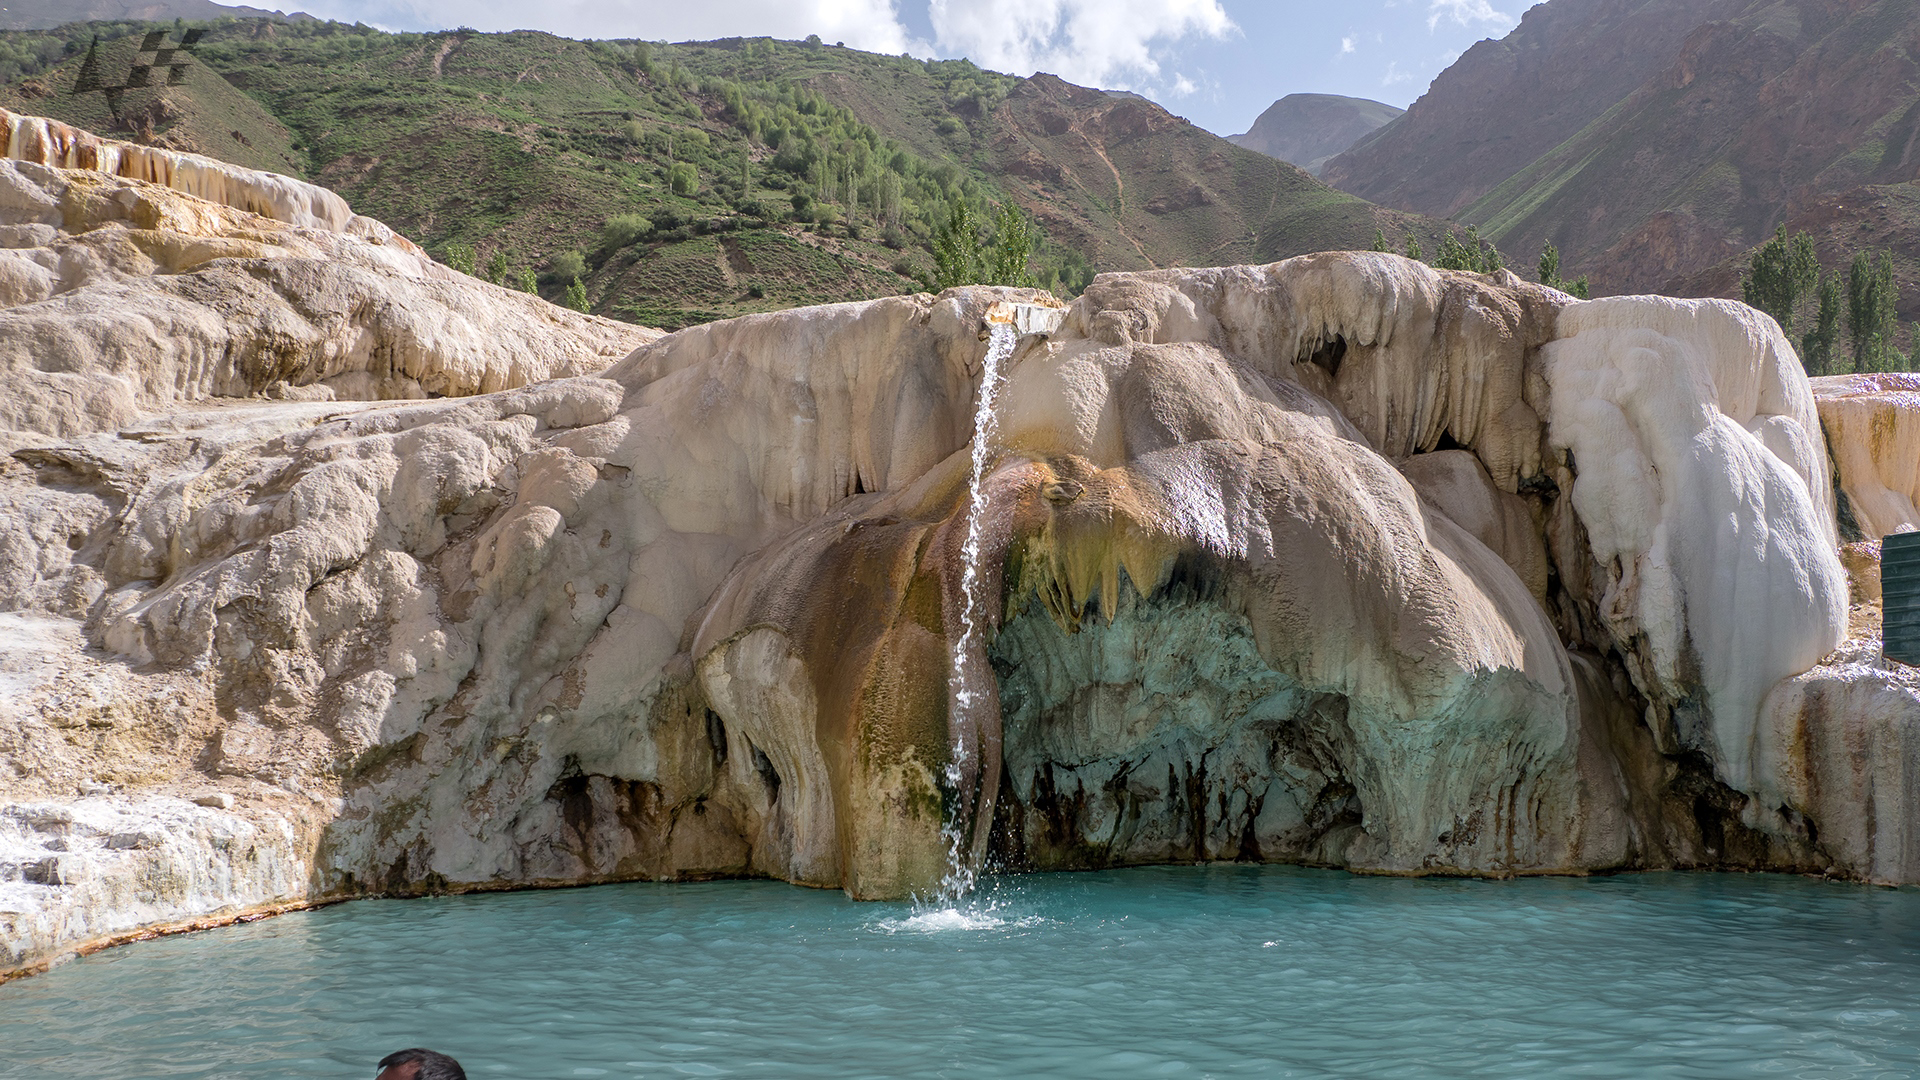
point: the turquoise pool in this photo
(1188, 971)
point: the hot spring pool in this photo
(1217, 971)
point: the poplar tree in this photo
(1816, 347)
(1550, 274)
(1871, 319)
(1779, 274)
(956, 248)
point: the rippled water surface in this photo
(1223, 971)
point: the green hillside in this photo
(738, 175)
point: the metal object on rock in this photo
(1900, 597)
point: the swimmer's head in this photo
(419, 1065)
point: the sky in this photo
(1218, 63)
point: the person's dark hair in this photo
(429, 1065)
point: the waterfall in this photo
(963, 696)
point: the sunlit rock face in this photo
(1873, 428)
(1844, 737)
(1231, 626)
(134, 278)
(1343, 560)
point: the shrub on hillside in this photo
(624, 230)
(568, 266)
(459, 256)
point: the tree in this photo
(1486, 257)
(963, 254)
(1816, 347)
(1455, 255)
(956, 248)
(568, 266)
(1550, 266)
(495, 272)
(1413, 248)
(1380, 241)
(525, 281)
(1872, 297)
(459, 256)
(683, 178)
(619, 231)
(1780, 273)
(1012, 248)
(576, 297)
(1550, 274)
(1471, 254)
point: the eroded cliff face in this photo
(1342, 560)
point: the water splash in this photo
(995, 905)
(961, 872)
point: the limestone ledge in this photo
(78, 872)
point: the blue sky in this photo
(1216, 62)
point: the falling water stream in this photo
(961, 872)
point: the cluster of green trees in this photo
(967, 251)
(839, 171)
(31, 54)
(499, 269)
(1785, 279)
(1473, 253)
(1549, 269)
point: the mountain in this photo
(42, 14)
(692, 181)
(1309, 129)
(1656, 142)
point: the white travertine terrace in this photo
(1343, 560)
(1701, 479)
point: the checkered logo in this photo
(155, 64)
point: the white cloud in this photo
(864, 24)
(1468, 13)
(1395, 75)
(1346, 46)
(1106, 43)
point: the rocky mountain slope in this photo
(1655, 143)
(808, 174)
(1342, 560)
(1309, 129)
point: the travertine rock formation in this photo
(119, 295)
(1342, 560)
(42, 141)
(1873, 429)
